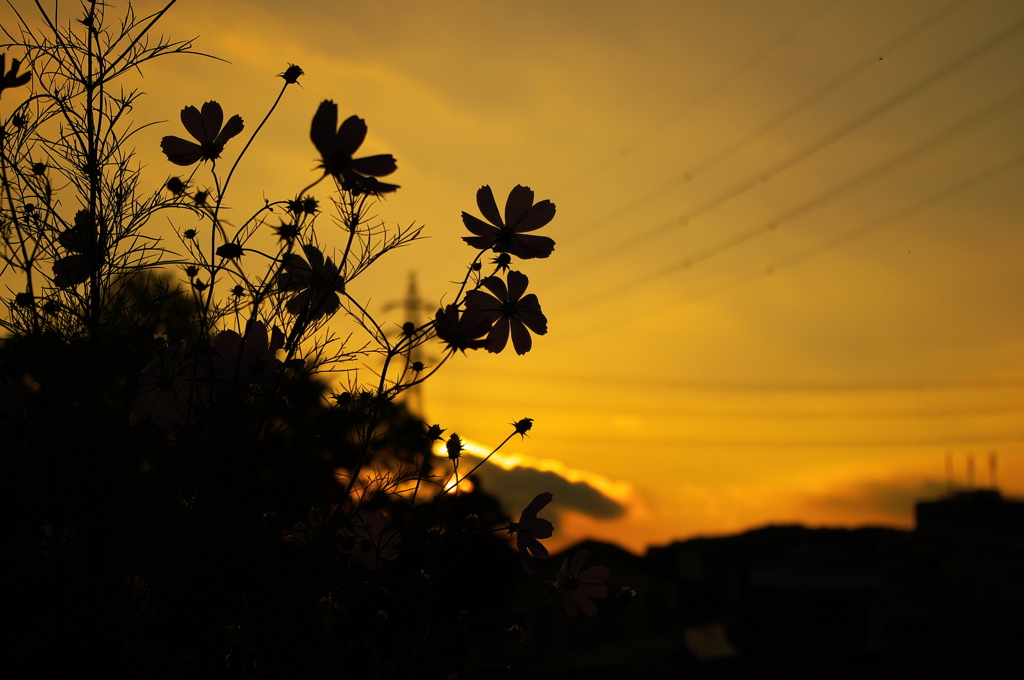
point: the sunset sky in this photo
(789, 275)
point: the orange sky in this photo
(790, 263)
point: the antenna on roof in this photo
(970, 471)
(992, 470)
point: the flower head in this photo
(510, 312)
(11, 78)
(461, 331)
(508, 236)
(206, 128)
(454, 446)
(292, 73)
(530, 530)
(168, 391)
(316, 283)
(336, 146)
(434, 432)
(575, 588)
(230, 251)
(80, 241)
(374, 544)
(522, 426)
(252, 358)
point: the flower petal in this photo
(480, 242)
(72, 270)
(595, 590)
(228, 344)
(181, 151)
(517, 283)
(479, 227)
(537, 217)
(323, 131)
(519, 201)
(488, 207)
(536, 548)
(314, 256)
(578, 560)
(528, 311)
(276, 340)
(256, 344)
(213, 118)
(594, 576)
(485, 305)
(584, 603)
(377, 166)
(295, 275)
(528, 246)
(317, 302)
(351, 134)
(521, 339)
(572, 607)
(496, 286)
(193, 122)
(538, 503)
(541, 528)
(498, 337)
(233, 127)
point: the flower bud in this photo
(523, 426)
(230, 251)
(291, 74)
(454, 446)
(175, 186)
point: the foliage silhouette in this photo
(186, 489)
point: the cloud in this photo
(517, 486)
(887, 498)
(515, 480)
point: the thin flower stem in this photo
(252, 137)
(466, 476)
(468, 275)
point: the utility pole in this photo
(414, 307)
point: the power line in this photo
(659, 409)
(814, 147)
(956, 131)
(792, 261)
(756, 59)
(732, 387)
(760, 131)
(638, 441)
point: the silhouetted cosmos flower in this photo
(336, 146)
(315, 283)
(206, 128)
(508, 236)
(11, 78)
(252, 358)
(374, 544)
(461, 331)
(80, 241)
(168, 390)
(575, 588)
(510, 311)
(530, 529)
